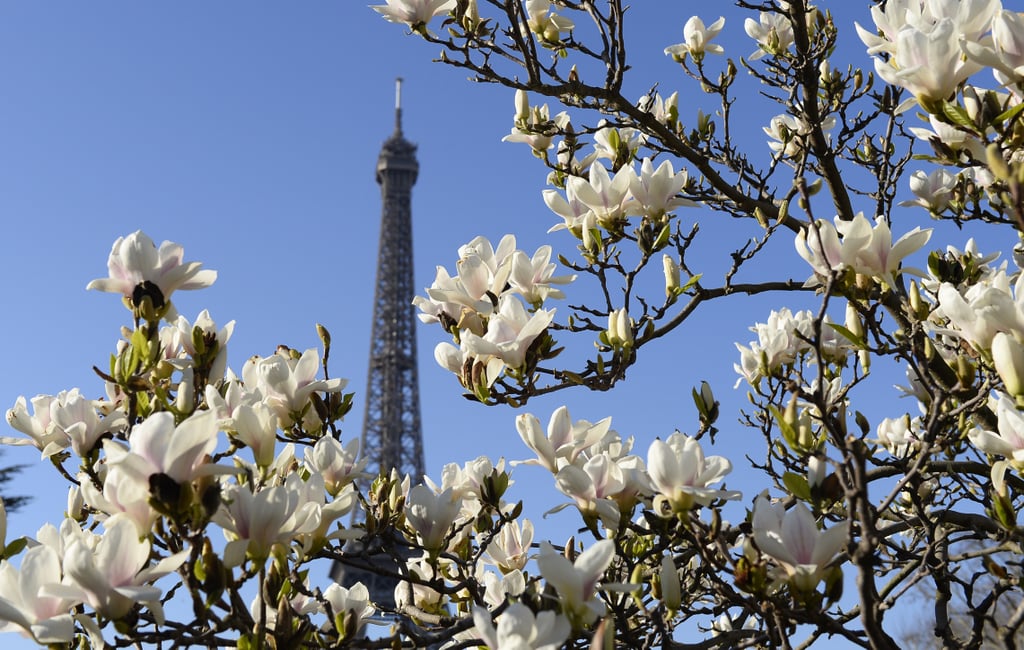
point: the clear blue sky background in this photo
(249, 133)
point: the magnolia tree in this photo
(202, 499)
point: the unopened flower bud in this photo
(522, 107)
(817, 467)
(185, 401)
(75, 505)
(996, 164)
(620, 329)
(1008, 357)
(1002, 506)
(671, 588)
(671, 275)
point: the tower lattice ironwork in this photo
(392, 435)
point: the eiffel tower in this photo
(392, 436)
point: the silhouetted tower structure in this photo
(392, 436)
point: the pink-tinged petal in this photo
(574, 482)
(715, 469)
(772, 543)
(80, 567)
(560, 429)
(592, 563)
(559, 572)
(990, 442)
(829, 543)
(908, 244)
(56, 629)
(484, 627)
(119, 554)
(800, 533)
(192, 440)
(662, 467)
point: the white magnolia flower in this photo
(982, 310)
(532, 278)
(620, 329)
(865, 249)
(135, 260)
(971, 18)
(157, 446)
(414, 13)
(476, 374)
(431, 515)
(510, 332)
(681, 473)
(665, 110)
(655, 192)
(38, 426)
(1008, 358)
(286, 383)
(352, 608)
(254, 523)
(300, 604)
(484, 269)
(499, 588)
(953, 137)
(573, 211)
(414, 593)
(773, 33)
(596, 486)
(467, 482)
(544, 23)
(697, 39)
(793, 539)
(469, 297)
(605, 196)
(789, 133)
(899, 435)
(534, 125)
(184, 334)
(933, 190)
(255, 426)
(1005, 52)
(577, 582)
(23, 605)
(122, 493)
(519, 629)
(922, 40)
(338, 464)
(510, 548)
(1008, 441)
(927, 63)
(113, 576)
(779, 342)
(617, 143)
(563, 441)
(67, 419)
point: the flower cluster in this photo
(152, 460)
(492, 309)
(593, 466)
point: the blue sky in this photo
(249, 132)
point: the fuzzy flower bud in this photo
(620, 329)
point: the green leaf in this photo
(15, 547)
(662, 239)
(797, 486)
(857, 341)
(692, 282)
(788, 432)
(958, 116)
(1009, 114)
